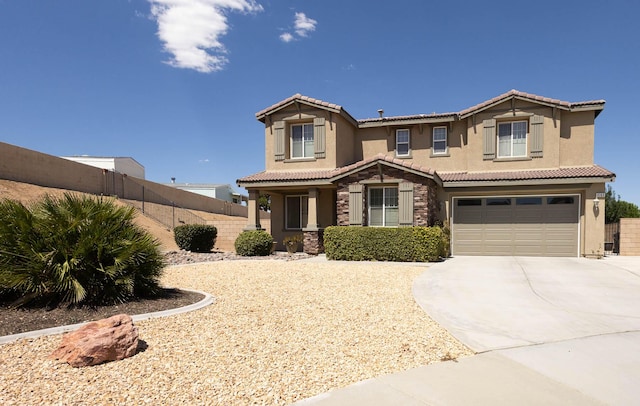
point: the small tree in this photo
(615, 209)
(264, 202)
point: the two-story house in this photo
(513, 175)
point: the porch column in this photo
(312, 222)
(313, 243)
(253, 215)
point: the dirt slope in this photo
(28, 193)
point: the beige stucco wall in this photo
(592, 222)
(576, 141)
(503, 113)
(306, 115)
(630, 237)
(568, 140)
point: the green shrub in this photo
(77, 250)
(195, 237)
(403, 244)
(254, 243)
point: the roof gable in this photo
(597, 105)
(298, 99)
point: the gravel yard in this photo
(278, 332)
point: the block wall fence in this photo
(28, 166)
(630, 237)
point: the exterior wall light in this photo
(596, 203)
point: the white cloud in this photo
(286, 37)
(191, 30)
(302, 25)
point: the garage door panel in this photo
(531, 226)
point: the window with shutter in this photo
(405, 204)
(319, 137)
(383, 206)
(278, 141)
(355, 205)
(302, 144)
(537, 136)
(489, 139)
(512, 139)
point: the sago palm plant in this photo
(75, 249)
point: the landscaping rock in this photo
(100, 341)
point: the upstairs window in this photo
(402, 142)
(439, 140)
(512, 139)
(302, 141)
(383, 207)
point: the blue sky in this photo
(175, 84)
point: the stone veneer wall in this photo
(313, 242)
(424, 194)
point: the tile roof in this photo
(456, 115)
(528, 96)
(299, 97)
(332, 174)
(409, 117)
(594, 171)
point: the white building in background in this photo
(124, 165)
(217, 191)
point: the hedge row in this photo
(403, 244)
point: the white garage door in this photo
(527, 226)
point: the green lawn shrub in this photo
(195, 237)
(254, 243)
(75, 250)
(402, 244)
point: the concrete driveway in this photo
(551, 331)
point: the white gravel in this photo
(278, 332)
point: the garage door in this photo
(527, 226)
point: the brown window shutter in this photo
(405, 203)
(319, 137)
(489, 141)
(537, 136)
(278, 139)
(355, 204)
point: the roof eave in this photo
(527, 182)
(497, 102)
(412, 121)
(283, 184)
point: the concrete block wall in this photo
(630, 237)
(28, 166)
(230, 228)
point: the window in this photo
(296, 212)
(512, 139)
(383, 206)
(439, 140)
(402, 142)
(302, 141)
(528, 201)
(469, 202)
(499, 201)
(560, 200)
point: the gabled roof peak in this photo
(298, 98)
(594, 105)
(513, 93)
